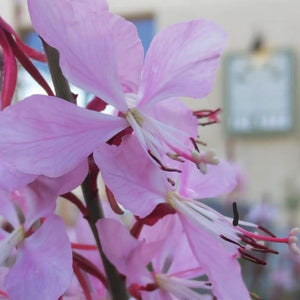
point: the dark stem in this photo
(61, 85)
(94, 212)
(90, 192)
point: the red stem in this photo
(89, 267)
(28, 65)
(76, 201)
(82, 282)
(83, 246)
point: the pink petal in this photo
(221, 267)
(176, 114)
(45, 135)
(219, 179)
(136, 182)
(43, 269)
(40, 200)
(182, 60)
(131, 256)
(158, 294)
(68, 181)
(99, 52)
(175, 247)
(12, 179)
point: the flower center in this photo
(180, 287)
(11, 241)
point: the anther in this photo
(163, 167)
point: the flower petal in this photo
(137, 183)
(219, 179)
(99, 51)
(43, 269)
(174, 113)
(158, 294)
(131, 256)
(221, 267)
(45, 135)
(182, 60)
(68, 181)
(12, 179)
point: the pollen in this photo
(134, 113)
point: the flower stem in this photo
(116, 283)
(61, 85)
(90, 192)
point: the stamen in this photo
(291, 240)
(83, 246)
(5, 225)
(179, 287)
(207, 113)
(251, 258)
(231, 241)
(163, 167)
(11, 241)
(175, 157)
(265, 230)
(207, 123)
(195, 144)
(171, 181)
(202, 159)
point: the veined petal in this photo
(182, 60)
(12, 179)
(137, 183)
(158, 294)
(219, 179)
(68, 181)
(221, 267)
(175, 258)
(99, 51)
(131, 256)
(43, 269)
(174, 113)
(40, 199)
(45, 135)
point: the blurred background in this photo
(257, 90)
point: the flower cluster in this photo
(152, 238)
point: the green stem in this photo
(116, 283)
(61, 85)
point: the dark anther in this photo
(266, 231)
(175, 157)
(195, 144)
(231, 241)
(171, 181)
(251, 258)
(164, 168)
(235, 221)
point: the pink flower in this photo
(101, 53)
(37, 252)
(160, 265)
(123, 170)
(212, 236)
